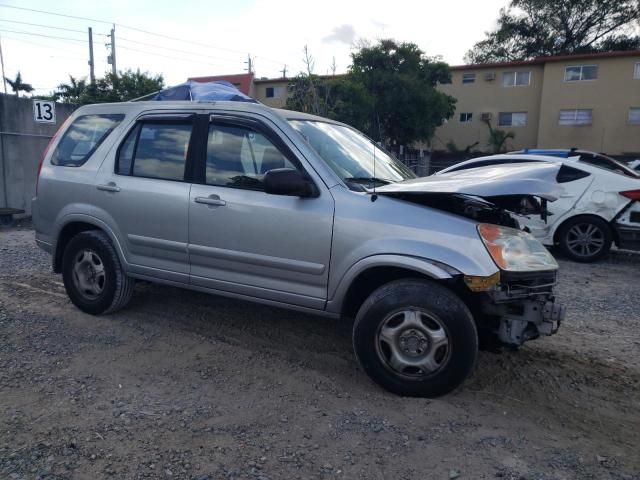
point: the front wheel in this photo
(585, 239)
(415, 338)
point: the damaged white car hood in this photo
(536, 179)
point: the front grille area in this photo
(527, 283)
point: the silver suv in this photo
(300, 212)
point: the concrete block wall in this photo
(22, 141)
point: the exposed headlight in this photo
(514, 250)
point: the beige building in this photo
(590, 101)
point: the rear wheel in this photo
(415, 338)
(585, 239)
(93, 276)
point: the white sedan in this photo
(600, 203)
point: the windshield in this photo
(350, 154)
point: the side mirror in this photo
(288, 181)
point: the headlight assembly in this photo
(514, 250)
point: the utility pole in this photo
(4, 80)
(92, 74)
(284, 72)
(249, 64)
(112, 58)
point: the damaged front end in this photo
(516, 303)
(520, 307)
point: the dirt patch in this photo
(186, 385)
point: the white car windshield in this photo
(351, 155)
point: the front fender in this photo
(424, 266)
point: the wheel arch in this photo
(75, 224)
(373, 272)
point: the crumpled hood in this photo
(537, 179)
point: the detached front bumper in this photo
(522, 307)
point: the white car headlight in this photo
(514, 250)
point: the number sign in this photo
(44, 112)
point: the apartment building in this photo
(590, 101)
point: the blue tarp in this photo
(191, 90)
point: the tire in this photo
(431, 331)
(93, 276)
(585, 239)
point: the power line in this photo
(167, 56)
(44, 26)
(173, 49)
(42, 35)
(136, 29)
(56, 14)
(40, 45)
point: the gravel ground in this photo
(186, 385)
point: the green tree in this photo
(389, 93)
(17, 85)
(400, 103)
(125, 86)
(533, 28)
(309, 92)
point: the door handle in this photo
(109, 187)
(213, 200)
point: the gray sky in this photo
(274, 32)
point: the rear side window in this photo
(83, 137)
(155, 150)
(569, 174)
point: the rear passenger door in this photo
(245, 241)
(145, 192)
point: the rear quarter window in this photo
(83, 137)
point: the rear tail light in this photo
(46, 150)
(631, 194)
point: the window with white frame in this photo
(579, 73)
(636, 71)
(512, 119)
(634, 116)
(516, 79)
(466, 117)
(468, 78)
(578, 116)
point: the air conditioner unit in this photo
(490, 76)
(486, 116)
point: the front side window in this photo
(155, 150)
(83, 137)
(468, 78)
(634, 116)
(516, 79)
(239, 157)
(351, 155)
(580, 116)
(512, 119)
(466, 117)
(580, 73)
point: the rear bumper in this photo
(628, 236)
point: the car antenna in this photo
(374, 196)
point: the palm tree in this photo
(498, 138)
(73, 91)
(18, 85)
